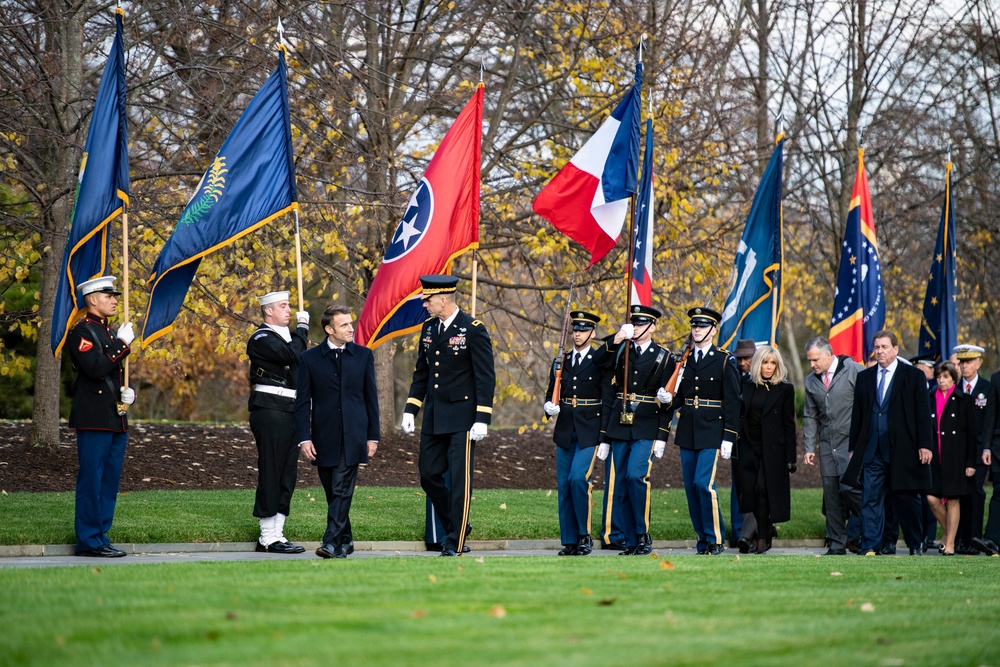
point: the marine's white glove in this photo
(603, 450)
(128, 395)
(664, 396)
(551, 409)
(726, 449)
(626, 331)
(408, 426)
(478, 431)
(658, 447)
(125, 333)
(302, 316)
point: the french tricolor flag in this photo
(588, 199)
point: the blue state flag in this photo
(251, 182)
(101, 192)
(753, 307)
(939, 324)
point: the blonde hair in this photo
(763, 353)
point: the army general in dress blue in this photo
(453, 382)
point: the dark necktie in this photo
(576, 359)
(881, 384)
(336, 358)
(697, 357)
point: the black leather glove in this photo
(791, 467)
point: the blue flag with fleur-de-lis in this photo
(250, 182)
(939, 324)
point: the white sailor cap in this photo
(104, 284)
(274, 297)
(968, 351)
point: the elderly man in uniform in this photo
(826, 425)
(579, 426)
(274, 352)
(453, 381)
(637, 423)
(708, 396)
(100, 403)
(970, 524)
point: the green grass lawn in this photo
(378, 513)
(692, 610)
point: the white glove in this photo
(658, 447)
(627, 330)
(302, 316)
(128, 395)
(408, 426)
(603, 450)
(125, 333)
(726, 449)
(478, 431)
(551, 409)
(664, 396)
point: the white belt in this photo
(277, 391)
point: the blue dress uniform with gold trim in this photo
(453, 382)
(632, 444)
(708, 398)
(577, 433)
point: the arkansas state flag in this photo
(859, 302)
(588, 199)
(440, 223)
(642, 249)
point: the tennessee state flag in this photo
(939, 325)
(588, 199)
(859, 302)
(440, 223)
(642, 250)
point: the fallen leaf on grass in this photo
(481, 559)
(95, 570)
(666, 565)
(867, 606)
(836, 574)
(231, 616)
(606, 602)
(418, 613)
(503, 506)
(586, 591)
(497, 611)
(432, 578)
(546, 495)
(622, 576)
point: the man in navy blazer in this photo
(336, 420)
(890, 444)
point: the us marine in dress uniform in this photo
(99, 410)
(578, 430)
(453, 382)
(638, 424)
(274, 352)
(708, 398)
(970, 525)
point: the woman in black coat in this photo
(766, 445)
(954, 452)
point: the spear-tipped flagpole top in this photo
(281, 33)
(948, 153)
(482, 69)
(642, 45)
(650, 102)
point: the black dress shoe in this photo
(987, 546)
(448, 553)
(629, 551)
(931, 544)
(585, 546)
(743, 544)
(966, 549)
(614, 546)
(567, 550)
(340, 551)
(835, 552)
(715, 549)
(280, 547)
(888, 551)
(433, 546)
(644, 546)
(103, 551)
(854, 546)
(326, 551)
(917, 552)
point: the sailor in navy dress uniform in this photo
(708, 398)
(453, 382)
(577, 433)
(100, 403)
(274, 352)
(638, 424)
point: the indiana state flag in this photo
(440, 223)
(251, 182)
(753, 307)
(939, 325)
(101, 192)
(642, 249)
(859, 302)
(588, 199)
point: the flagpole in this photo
(777, 293)
(475, 260)
(125, 311)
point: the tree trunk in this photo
(385, 380)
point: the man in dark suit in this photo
(637, 423)
(742, 525)
(989, 447)
(577, 433)
(336, 421)
(708, 396)
(100, 403)
(453, 381)
(890, 444)
(970, 523)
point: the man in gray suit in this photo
(826, 426)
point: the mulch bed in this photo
(223, 456)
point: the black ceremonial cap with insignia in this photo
(438, 284)
(644, 314)
(704, 316)
(584, 321)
